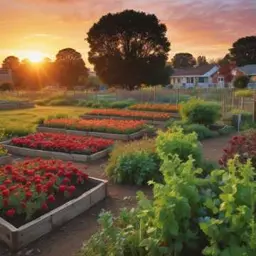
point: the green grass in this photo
(20, 122)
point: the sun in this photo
(35, 56)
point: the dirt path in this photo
(67, 240)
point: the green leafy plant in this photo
(174, 141)
(135, 162)
(230, 225)
(3, 151)
(200, 112)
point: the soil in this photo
(68, 239)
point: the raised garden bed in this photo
(42, 196)
(5, 159)
(60, 146)
(113, 136)
(168, 108)
(87, 116)
(149, 117)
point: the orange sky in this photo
(202, 27)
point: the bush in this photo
(200, 112)
(202, 131)
(134, 163)
(244, 93)
(175, 141)
(6, 87)
(241, 82)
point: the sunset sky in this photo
(42, 27)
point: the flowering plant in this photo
(63, 143)
(135, 114)
(243, 145)
(33, 185)
(156, 107)
(101, 125)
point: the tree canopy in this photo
(241, 82)
(243, 51)
(69, 67)
(183, 60)
(129, 49)
(201, 60)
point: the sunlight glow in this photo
(35, 56)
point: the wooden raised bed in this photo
(16, 238)
(16, 105)
(105, 135)
(22, 151)
(123, 118)
(5, 159)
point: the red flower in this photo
(51, 198)
(7, 182)
(62, 188)
(2, 187)
(71, 189)
(23, 205)
(66, 180)
(6, 193)
(28, 194)
(38, 188)
(45, 206)
(10, 213)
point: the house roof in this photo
(248, 69)
(196, 71)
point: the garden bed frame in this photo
(124, 118)
(5, 159)
(28, 152)
(17, 238)
(16, 105)
(113, 136)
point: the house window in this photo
(190, 80)
(201, 80)
(221, 79)
(178, 79)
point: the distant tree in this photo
(225, 61)
(241, 82)
(243, 51)
(11, 62)
(69, 67)
(201, 60)
(183, 60)
(129, 48)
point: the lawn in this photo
(25, 120)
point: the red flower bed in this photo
(63, 143)
(101, 125)
(33, 187)
(156, 107)
(243, 145)
(135, 114)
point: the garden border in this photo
(148, 121)
(114, 136)
(17, 238)
(7, 159)
(16, 105)
(22, 151)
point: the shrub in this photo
(241, 82)
(6, 87)
(244, 93)
(202, 131)
(174, 141)
(200, 112)
(243, 145)
(135, 162)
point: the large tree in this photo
(183, 60)
(69, 67)
(243, 51)
(201, 60)
(129, 49)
